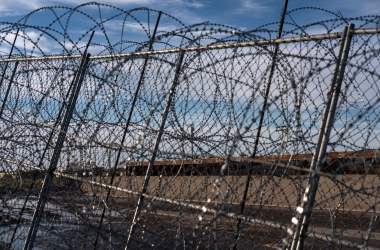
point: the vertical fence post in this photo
(156, 145)
(9, 56)
(54, 161)
(40, 163)
(8, 88)
(126, 129)
(29, 241)
(302, 219)
(192, 140)
(262, 115)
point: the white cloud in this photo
(355, 8)
(28, 42)
(179, 8)
(250, 5)
(18, 7)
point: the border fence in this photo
(142, 132)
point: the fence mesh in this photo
(181, 138)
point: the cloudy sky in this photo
(243, 14)
(240, 13)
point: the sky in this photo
(245, 14)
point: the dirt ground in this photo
(344, 210)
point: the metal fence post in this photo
(164, 116)
(40, 163)
(126, 129)
(302, 219)
(29, 241)
(261, 121)
(54, 161)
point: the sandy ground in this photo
(344, 210)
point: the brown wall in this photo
(349, 192)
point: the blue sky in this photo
(245, 14)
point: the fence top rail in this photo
(226, 45)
